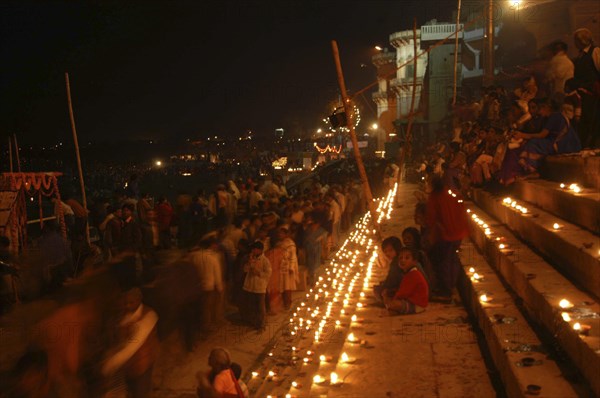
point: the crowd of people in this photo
(250, 243)
(505, 134)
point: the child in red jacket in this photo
(412, 295)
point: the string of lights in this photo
(328, 148)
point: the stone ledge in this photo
(581, 208)
(564, 248)
(541, 288)
(502, 337)
(563, 168)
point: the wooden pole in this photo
(456, 53)
(350, 124)
(84, 198)
(488, 76)
(17, 153)
(10, 154)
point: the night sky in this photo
(155, 70)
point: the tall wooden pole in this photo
(83, 196)
(17, 153)
(456, 53)
(488, 77)
(350, 124)
(10, 154)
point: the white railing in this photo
(439, 32)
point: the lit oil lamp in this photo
(334, 379)
(566, 317)
(556, 226)
(582, 328)
(325, 358)
(565, 304)
(352, 338)
(484, 298)
(347, 359)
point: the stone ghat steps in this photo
(571, 249)
(578, 205)
(515, 350)
(563, 168)
(541, 288)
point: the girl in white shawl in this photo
(289, 266)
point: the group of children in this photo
(405, 290)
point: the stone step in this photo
(508, 336)
(541, 289)
(578, 205)
(572, 250)
(562, 169)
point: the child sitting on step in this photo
(412, 295)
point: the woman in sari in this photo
(274, 301)
(557, 136)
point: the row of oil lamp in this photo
(511, 203)
(335, 288)
(572, 187)
(582, 329)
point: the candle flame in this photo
(333, 377)
(564, 303)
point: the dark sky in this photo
(160, 69)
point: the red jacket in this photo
(164, 215)
(447, 217)
(413, 288)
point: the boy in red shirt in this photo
(412, 295)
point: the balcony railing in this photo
(439, 32)
(384, 58)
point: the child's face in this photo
(408, 240)
(419, 218)
(389, 252)
(406, 260)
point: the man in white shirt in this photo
(336, 216)
(560, 69)
(138, 349)
(209, 264)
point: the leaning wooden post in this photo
(456, 53)
(87, 231)
(17, 153)
(350, 125)
(10, 154)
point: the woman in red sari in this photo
(274, 299)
